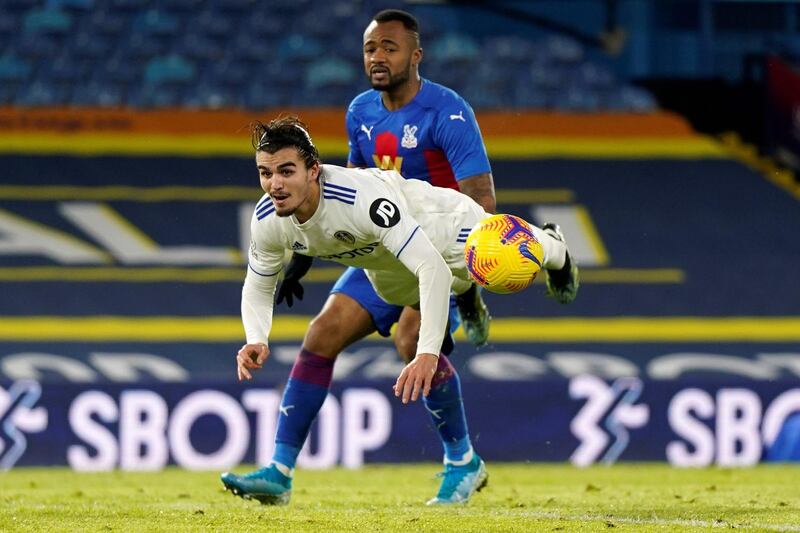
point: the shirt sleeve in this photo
(459, 136)
(264, 263)
(354, 156)
(422, 258)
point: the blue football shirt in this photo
(434, 138)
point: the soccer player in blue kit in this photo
(423, 131)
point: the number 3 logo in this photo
(384, 213)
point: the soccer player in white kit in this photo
(404, 234)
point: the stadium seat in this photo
(47, 20)
(13, 68)
(330, 72)
(157, 22)
(628, 98)
(227, 46)
(76, 5)
(199, 47)
(563, 49)
(455, 47)
(107, 22)
(91, 46)
(296, 46)
(37, 47)
(39, 94)
(509, 48)
(208, 96)
(94, 94)
(170, 68)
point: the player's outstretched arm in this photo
(416, 376)
(251, 357)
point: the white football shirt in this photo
(406, 234)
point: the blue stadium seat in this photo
(37, 47)
(95, 94)
(563, 49)
(143, 47)
(199, 47)
(455, 47)
(263, 24)
(156, 22)
(39, 94)
(235, 6)
(47, 20)
(629, 98)
(8, 92)
(574, 99)
(129, 5)
(118, 69)
(13, 68)
(182, 5)
(296, 46)
(213, 24)
(76, 5)
(108, 23)
(593, 75)
(91, 46)
(258, 97)
(208, 96)
(509, 48)
(8, 25)
(170, 68)
(330, 72)
(156, 96)
(65, 69)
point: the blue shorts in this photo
(355, 284)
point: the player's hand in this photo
(250, 357)
(288, 290)
(416, 376)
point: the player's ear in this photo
(416, 56)
(314, 171)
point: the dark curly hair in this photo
(285, 132)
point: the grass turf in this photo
(520, 497)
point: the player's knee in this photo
(324, 335)
(406, 346)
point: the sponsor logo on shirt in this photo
(384, 213)
(350, 254)
(297, 246)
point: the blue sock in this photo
(446, 408)
(303, 397)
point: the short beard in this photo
(394, 81)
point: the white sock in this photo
(555, 251)
(283, 469)
(464, 460)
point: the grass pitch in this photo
(519, 497)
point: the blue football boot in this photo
(267, 485)
(459, 483)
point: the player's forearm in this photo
(481, 189)
(421, 258)
(434, 305)
(257, 296)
